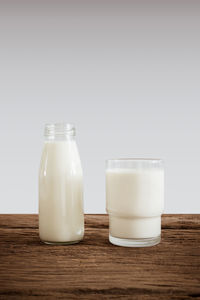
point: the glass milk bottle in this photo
(61, 217)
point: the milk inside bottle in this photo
(61, 216)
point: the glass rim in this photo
(136, 159)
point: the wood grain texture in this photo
(95, 269)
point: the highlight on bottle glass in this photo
(134, 201)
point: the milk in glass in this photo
(135, 201)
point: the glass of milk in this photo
(61, 218)
(134, 201)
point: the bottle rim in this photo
(59, 129)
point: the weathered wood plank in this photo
(95, 268)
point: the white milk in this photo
(61, 217)
(135, 202)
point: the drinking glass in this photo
(134, 201)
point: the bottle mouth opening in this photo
(59, 130)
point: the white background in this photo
(127, 73)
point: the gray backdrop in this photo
(127, 73)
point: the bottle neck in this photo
(59, 132)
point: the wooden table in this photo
(95, 269)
